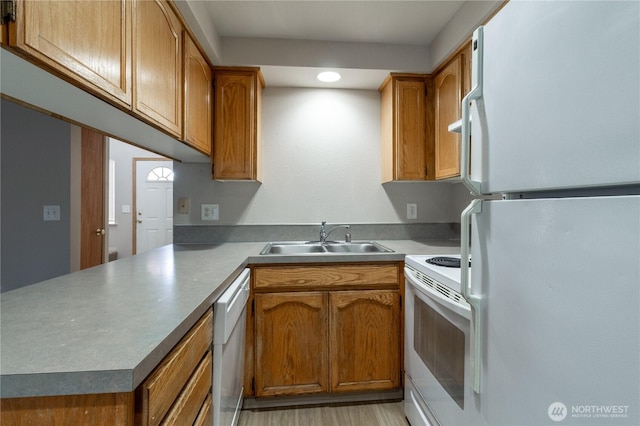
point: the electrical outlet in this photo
(412, 211)
(183, 205)
(51, 213)
(210, 212)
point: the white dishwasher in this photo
(229, 320)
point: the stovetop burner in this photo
(446, 261)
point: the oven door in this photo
(437, 350)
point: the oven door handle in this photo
(475, 300)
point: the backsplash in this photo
(204, 234)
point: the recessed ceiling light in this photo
(329, 76)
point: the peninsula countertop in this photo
(104, 329)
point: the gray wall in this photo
(321, 161)
(35, 172)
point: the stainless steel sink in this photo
(312, 247)
(292, 248)
(357, 247)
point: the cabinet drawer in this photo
(186, 408)
(205, 416)
(332, 277)
(162, 387)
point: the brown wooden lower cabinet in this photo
(291, 350)
(365, 340)
(326, 341)
(178, 391)
(71, 410)
(170, 384)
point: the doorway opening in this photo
(126, 163)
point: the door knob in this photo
(100, 231)
(139, 220)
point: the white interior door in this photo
(154, 204)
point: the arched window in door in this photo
(160, 174)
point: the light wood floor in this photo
(370, 414)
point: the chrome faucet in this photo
(324, 233)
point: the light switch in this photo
(209, 212)
(51, 213)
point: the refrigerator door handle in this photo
(475, 301)
(477, 44)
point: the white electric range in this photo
(437, 335)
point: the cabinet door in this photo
(465, 56)
(157, 65)
(291, 343)
(4, 32)
(197, 98)
(448, 85)
(84, 41)
(365, 340)
(410, 135)
(235, 146)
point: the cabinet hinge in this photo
(253, 385)
(8, 11)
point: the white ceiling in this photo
(395, 22)
(364, 39)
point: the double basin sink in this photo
(315, 247)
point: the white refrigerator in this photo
(555, 277)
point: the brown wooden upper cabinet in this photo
(416, 111)
(451, 83)
(237, 123)
(448, 96)
(157, 65)
(128, 52)
(81, 41)
(198, 110)
(404, 127)
(4, 32)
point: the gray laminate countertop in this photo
(106, 328)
